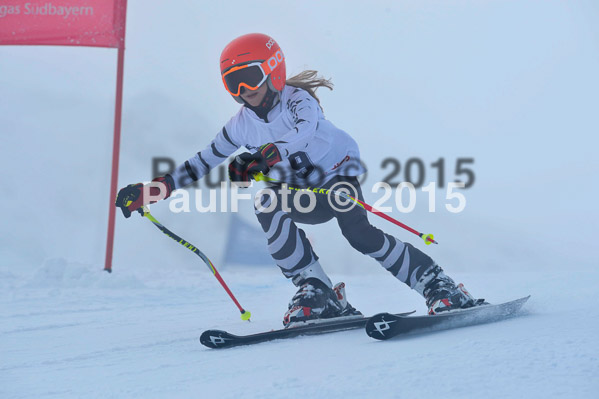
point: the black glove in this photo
(238, 168)
(245, 165)
(131, 198)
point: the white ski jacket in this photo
(312, 148)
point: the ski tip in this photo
(523, 300)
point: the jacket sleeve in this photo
(200, 164)
(303, 111)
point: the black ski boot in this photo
(315, 300)
(442, 294)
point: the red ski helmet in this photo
(249, 61)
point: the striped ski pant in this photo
(293, 253)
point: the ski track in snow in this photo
(63, 342)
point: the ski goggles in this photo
(250, 76)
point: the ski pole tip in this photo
(429, 239)
(245, 315)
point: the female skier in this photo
(282, 124)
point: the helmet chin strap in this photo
(271, 98)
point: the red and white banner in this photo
(96, 23)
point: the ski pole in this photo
(245, 314)
(428, 238)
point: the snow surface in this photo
(74, 331)
(512, 84)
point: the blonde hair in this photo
(310, 81)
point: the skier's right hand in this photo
(134, 196)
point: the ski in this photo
(385, 325)
(222, 339)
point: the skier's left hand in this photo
(246, 165)
(238, 168)
(265, 158)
